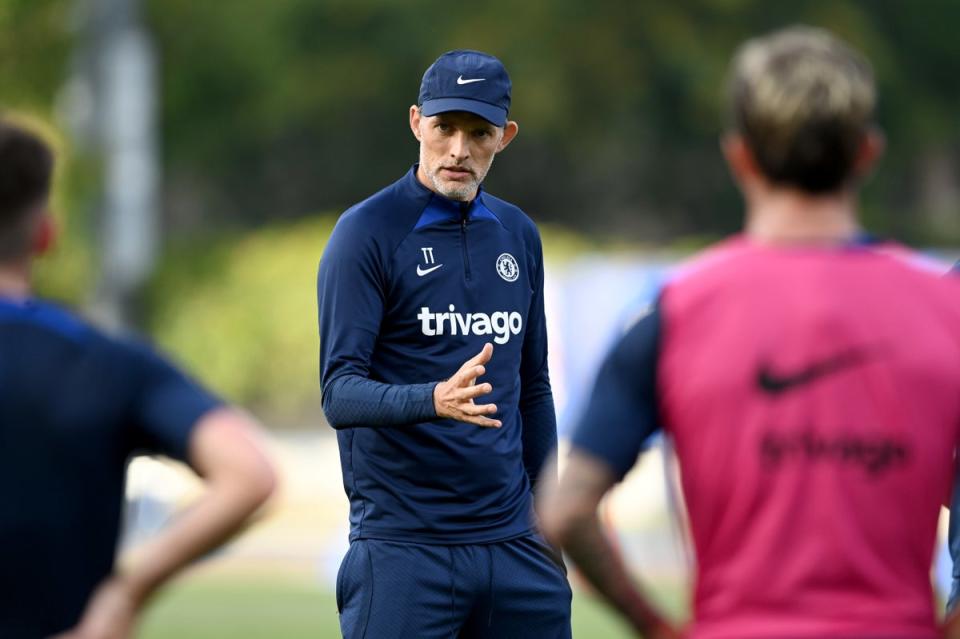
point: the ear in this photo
(740, 160)
(510, 130)
(44, 234)
(415, 121)
(871, 148)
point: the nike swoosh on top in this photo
(774, 383)
(423, 271)
(460, 80)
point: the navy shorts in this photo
(516, 588)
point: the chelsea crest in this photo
(507, 267)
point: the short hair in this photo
(26, 170)
(803, 101)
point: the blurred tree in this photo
(272, 109)
(33, 52)
(35, 45)
(275, 109)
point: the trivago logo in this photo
(502, 324)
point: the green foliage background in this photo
(271, 110)
(291, 106)
(240, 310)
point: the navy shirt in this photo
(622, 413)
(411, 285)
(74, 406)
(953, 533)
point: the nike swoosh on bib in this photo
(774, 383)
(460, 80)
(423, 271)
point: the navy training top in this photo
(74, 406)
(411, 285)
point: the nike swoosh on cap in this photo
(460, 80)
(423, 271)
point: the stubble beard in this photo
(459, 191)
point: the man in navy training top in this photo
(75, 405)
(433, 361)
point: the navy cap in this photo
(466, 81)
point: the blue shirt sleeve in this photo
(351, 285)
(166, 405)
(622, 412)
(953, 542)
(953, 532)
(537, 414)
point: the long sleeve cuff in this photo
(353, 401)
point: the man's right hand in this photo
(453, 398)
(110, 613)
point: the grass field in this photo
(276, 581)
(223, 607)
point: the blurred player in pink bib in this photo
(808, 376)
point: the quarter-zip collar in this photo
(439, 202)
(11, 303)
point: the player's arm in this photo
(539, 419)
(223, 449)
(351, 285)
(171, 415)
(951, 626)
(568, 512)
(620, 417)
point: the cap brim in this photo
(493, 114)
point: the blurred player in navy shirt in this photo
(75, 405)
(433, 356)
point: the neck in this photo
(14, 281)
(790, 216)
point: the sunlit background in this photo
(207, 148)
